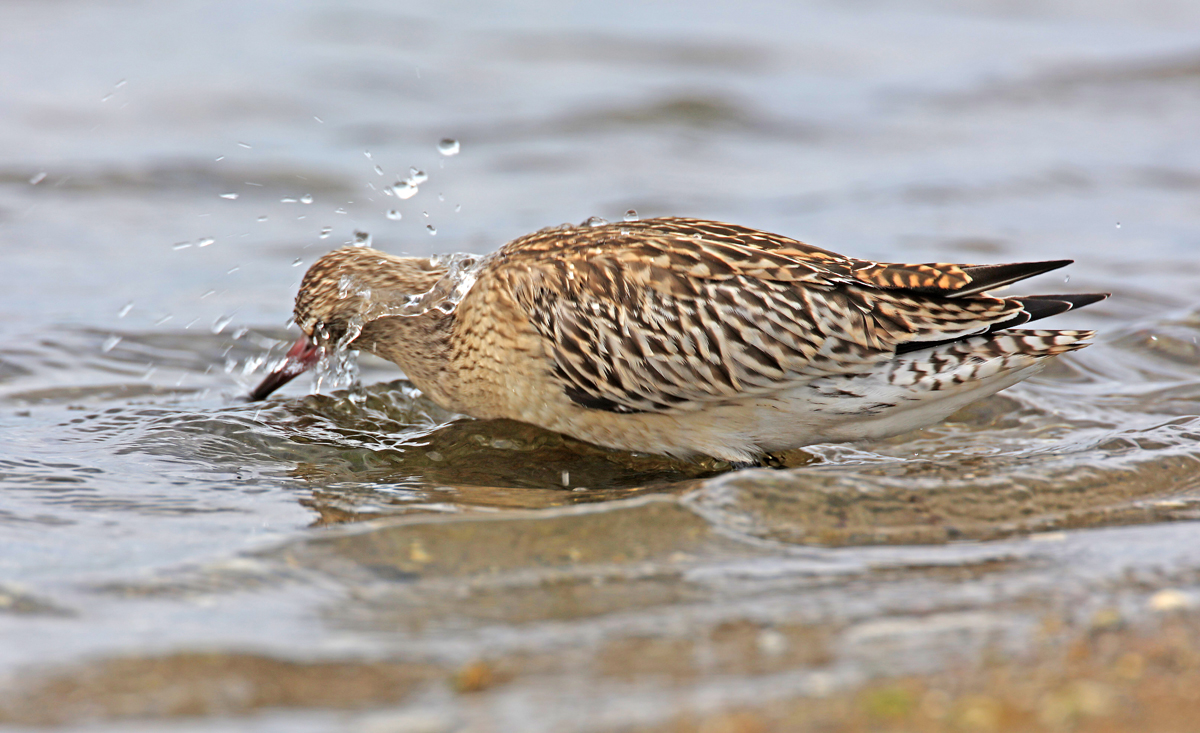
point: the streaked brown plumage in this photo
(684, 336)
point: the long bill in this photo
(299, 358)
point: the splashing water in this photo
(338, 366)
(462, 269)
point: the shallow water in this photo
(363, 560)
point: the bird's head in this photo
(341, 294)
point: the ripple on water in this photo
(1110, 436)
(1081, 445)
(1105, 436)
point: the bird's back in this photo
(680, 315)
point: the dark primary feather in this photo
(991, 277)
(1033, 308)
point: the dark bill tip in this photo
(300, 357)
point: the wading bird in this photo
(682, 336)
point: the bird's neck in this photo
(419, 345)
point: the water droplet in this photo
(404, 189)
(244, 145)
(232, 270)
(1118, 225)
(362, 239)
(395, 215)
(425, 214)
(379, 170)
(595, 221)
(339, 210)
(181, 245)
(218, 159)
(208, 294)
(297, 262)
(110, 343)
(230, 196)
(263, 217)
(458, 208)
(106, 97)
(163, 320)
(220, 324)
(448, 146)
(125, 309)
(325, 232)
(287, 201)
(417, 176)
(319, 120)
(1066, 278)
(252, 183)
(432, 230)
(367, 153)
(306, 198)
(205, 242)
(441, 197)
(37, 178)
(119, 84)
(631, 215)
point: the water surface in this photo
(174, 558)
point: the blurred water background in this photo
(172, 558)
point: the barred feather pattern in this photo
(686, 336)
(658, 319)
